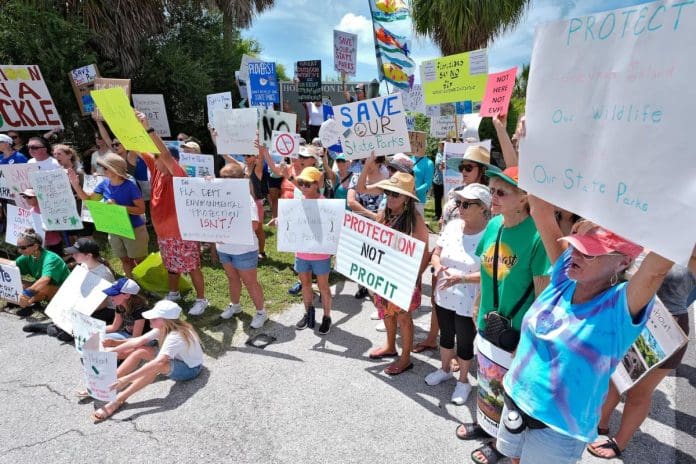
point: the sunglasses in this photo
(24, 247)
(303, 184)
(13, 136)
(36, 147)
(341, 161)
(116, 144)
(464, 204)
(467, 167)
(592, 258)
(389, 193)
(499, 192)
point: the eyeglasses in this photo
(499, 192)
(116, 144)
(592, 258)
(13, 136)
(392, 194)
(464, 204)
(36, 147)
(341, 161)
(24, 247)
(303, 184)
(467, 167)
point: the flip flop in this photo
(383, 355)
(98, 417)
(390, 370)
(82, 394)
(491, 454)
(472, 429)
(420, 347)
(609, 444)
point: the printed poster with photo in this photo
(493, 364)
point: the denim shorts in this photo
(243, 262)
(179, 370)
(120, 335)
(318, 267)
(539, 445)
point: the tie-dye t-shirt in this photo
(567, 352)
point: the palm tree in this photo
(520, 90)
(464, 25)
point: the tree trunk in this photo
(228, 30)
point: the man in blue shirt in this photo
(9, 155)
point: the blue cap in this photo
(122, 285)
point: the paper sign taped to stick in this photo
(25, 103)
(310, 226)
(14, 179)
(454, 152)
(379, 258)
(493, 364)
(417, 141)
(18, 220)
(56, 200)
(152, 105)
(103, 83)
(345, 52)
(499, 89)
(236, 131)
(99, 369)
(82, 292)
(414, 101)
(89, 183)
(442, 127)
(112, 219)
(263, 84)
(218, 101)
(285, 144)
(197, 165)
(602, 108)
(213, 210)
(378, 125)
(270, 121)
(82, 81)
(84, 327)
(455, 78)
(10, 283)
(116, 110)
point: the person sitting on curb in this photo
(128, 320)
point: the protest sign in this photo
(241, 86)
(214, 210)
(89, 183)
(499, 89)
(455, 78)
(218, 101)
(82, 82)
(18, 220)
(308, 75)
(84, 327)
(330, 91)
(378, 125)
(110, 218)
(345, 52)
(116, 110)
(417, 141)
(285, 144)
(330, 132)
(442, 127)
(152, 105)
(492, 365)
(197, 165)
(413, 99)
(56, 200)
(380, 258)
(99, 368)
(270, 121)
(411, 123)
(263, 84)
(432, 111)
(10, 283)
(25, 103)
(469, 127)
(236, 131)
(103, 83)
(82, 292)
(454, 152)
(244, 67)
(310, 226)
(14, 179)
(603, 109)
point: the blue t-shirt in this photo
(423, 170)
(437, 176)
(14, 158)
(567, 353)
(124, 195)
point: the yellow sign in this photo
(455, 78)
(116, 109)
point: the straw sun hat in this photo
(115, 164)
(400, 182)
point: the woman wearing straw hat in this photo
(118, 189)
(400, 214)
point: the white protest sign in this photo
(152, 105)
(454, 152)
(377, 125)
(10, 283)
(379, 258)
(330, 132)
(99, 368)
(18, 220)
(56, 200)
(244, 67)
(469, 126)
(285, 144)
(25, 103)
(218, 101)
(214, 210)
(14, 179)
(609, 130)
(236, 131)
(345, 52)
(270, 121)
(414, 102)
(82, 292)
(197, 165)
(84, 327)
(310, 226)
(442, 127)
(89, 183)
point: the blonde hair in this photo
(77, 166)
(184, 328)
(233, 170)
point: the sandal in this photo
(393, 369)
(379, 354)
(82, 394)
(491, 454)
(610, 443)
(420, 347)
(103, 413)
(472, 431)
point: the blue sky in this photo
(296, 30)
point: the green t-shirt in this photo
(521, 256)
(49, 264)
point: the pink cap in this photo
(600, 241)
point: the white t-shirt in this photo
(175, 347)
(234, 249)
(47, 164)
(459, 255)
(316, 115)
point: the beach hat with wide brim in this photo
(115, 164)
(477, 154)
(400, 182)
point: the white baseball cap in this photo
(6, 138)
(164, 309)
(475, 192)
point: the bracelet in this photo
(150, 130)
(29, 293)
(464, 278)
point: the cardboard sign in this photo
(606, 112)
(82, 292)
(442, 127)
(99, 369)
(213, 210)
(14, 179)
(89, 183)
(414, 101)
(378, 125)
(103, 83)
(10, 283)
(82, 82)
(112, 219)
(454, 152)
(25, 103)
(236, 131)
(379, 258)
(499, 89)
(153, 107)
(285, 144)
(56, 200)
(218, 101)
(84, 327)
(455, 78)
(493, 363)
(263, 84)
(310, 226)
(197, 165)
(308, 80)
(345, 52)
(270, 121)
(116, 110)
(417, 141)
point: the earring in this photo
(614, 279)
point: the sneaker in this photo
(64, 336)
(26, 312)
(198, 307)
(325, 325)
(173, 296)
(461, 393)
(258, 320)
(437, 377)
(311, 321)
(361, 293)
(36, 327)
(374, 316)
(231, 310)
(380, 327)
(52, 330)
(302, 323)
(295, 289)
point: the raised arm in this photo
(327, 167)
(103, 133)
(646, 281)
(509, 153)
(544, 217)
(74, 179)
